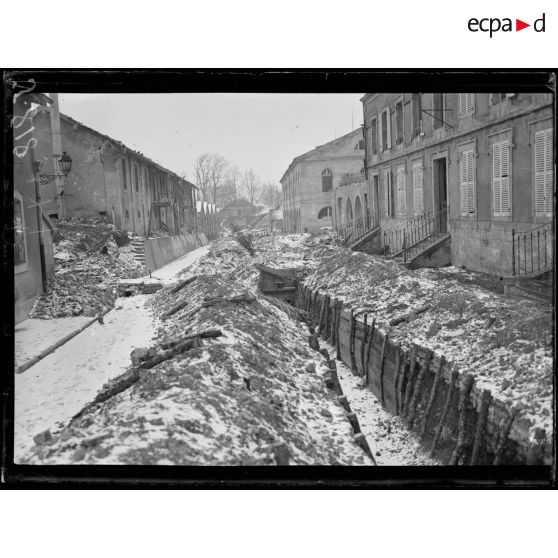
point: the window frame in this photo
(388, 192)
(386, 111)
(399, 139)
(327, 173)
(548, 174)
(468, 111)
(468, 151)
(418, 164)
(400, 173)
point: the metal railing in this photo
(357, 229)
(401, 241)
(532, 250)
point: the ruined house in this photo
(310, 179)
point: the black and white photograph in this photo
(266, 279)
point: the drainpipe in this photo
(44, 276)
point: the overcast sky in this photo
(262, 131)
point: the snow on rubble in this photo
(89, 257)
(505, 342)
(254, 396)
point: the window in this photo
(467, 182)
(399, 122)
(465, 104)
(327, 180)
(439, 114)
(495, 98)
(20, 241)
(543, 173)
(388, 198)
(501, 178)
(359, 146)
(374, 135)
(401, 193)
(339, 214)
(416, 114)
(124, 183)
(127, 214)
(418, 204)
(385, 129)
(136, 177)
(139, 214)
(325, 212)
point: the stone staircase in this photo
(138, 250)
(424, 247)
(365, 239)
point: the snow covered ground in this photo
(49, 393)
(33, 336)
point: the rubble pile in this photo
(504, 342)
(230, 380)
(90, 255)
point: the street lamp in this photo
(65, 164)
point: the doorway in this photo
(439, 176)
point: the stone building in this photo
(33, 230)
(111, 180)
(309, 182)
(238, 213)
(471, 174)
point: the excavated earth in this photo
(256, 395)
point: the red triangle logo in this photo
(519, 25)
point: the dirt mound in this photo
(87, 265)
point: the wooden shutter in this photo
(380, 137)
(387, 197)
(401, 198)
(471, 184)
(462, 105)
(501, 194)
(388, 120)
(417, 188)
(470, 99)
(543, 173)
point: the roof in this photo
(239, 202)
(317, 148)
(123, 147)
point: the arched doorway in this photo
(359, 227)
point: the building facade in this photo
(478, 168)
(111, 180)
(33, 231)
(311, 178)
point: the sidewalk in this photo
(35, 338)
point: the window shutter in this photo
(401, 198)
(496, 182)
(461, 105)
(387, 193)
(463, 183)
(417, 188)
(543, 173)
(380, 136)
(470, 102)
(505, 179)
(388, 119)
(471, 186)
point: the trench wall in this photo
(163, 250)
(456, 421)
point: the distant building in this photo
(33, 230)
(309, 182)
(238, 213)
(472, 174)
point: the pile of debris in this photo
(230, 380)
(90, 256)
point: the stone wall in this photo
(163, 250)
(459, 423)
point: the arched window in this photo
(325, 212)
(327, 180)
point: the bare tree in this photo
(251, 187)
(272, 195)
(209, 170)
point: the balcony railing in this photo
(401, 241)
(532, 250)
